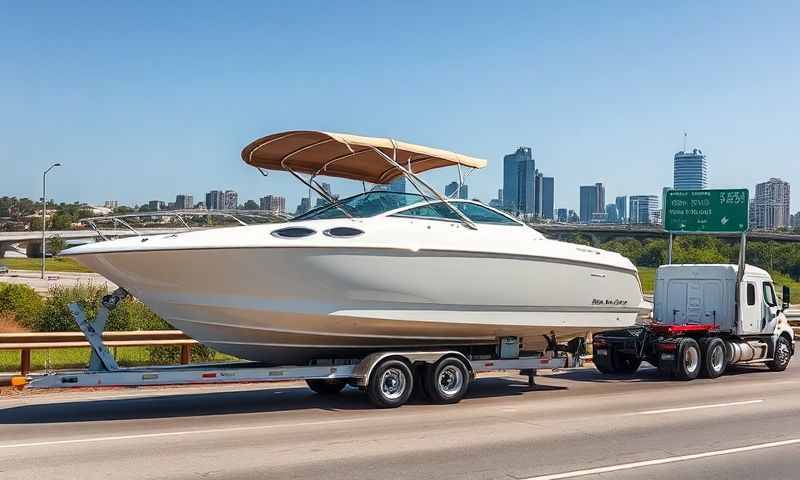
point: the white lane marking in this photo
(695, 407)
(179, 433)
(662, 461)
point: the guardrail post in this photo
(25, 361)
(186, 353)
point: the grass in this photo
(647, 275)
(66, 358)
(57, 264)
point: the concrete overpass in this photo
(600, 233)
(32, 240)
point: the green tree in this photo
(250, 205)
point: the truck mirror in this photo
(787, 297)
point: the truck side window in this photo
(769, 295)
(751, 294)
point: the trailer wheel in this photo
(326, 387)
(782, 355)
(390, 384)
(688, 360)
(447, 381)
(715, 357)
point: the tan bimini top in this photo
(347, 156)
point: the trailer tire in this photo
(390, 384)
(326, 387)
(782, 355)
(715, 357)
(688, 360)
(447, 381)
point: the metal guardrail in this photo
(26, 342)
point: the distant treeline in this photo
(772, 256)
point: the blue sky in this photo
(143, 100)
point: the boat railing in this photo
(125, 220)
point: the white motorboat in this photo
(379, 270)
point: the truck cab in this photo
(705, 319)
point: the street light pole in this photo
(44, 213)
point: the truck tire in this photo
(782, 355)
(715, 357)
(326, 387)
(688, 360)
(603, 363)
(626, 363)
(447, 381)
(390, 384)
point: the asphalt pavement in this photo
(574, 424)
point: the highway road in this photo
(576, 424)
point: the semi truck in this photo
(706, 318)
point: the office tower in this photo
(771, 205)
(643, 209)
(592, 200)
(690, 170)
(622, 209)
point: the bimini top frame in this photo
(368, 159)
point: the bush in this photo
(56, 316)
(132, 314)
(23, 302)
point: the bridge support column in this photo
(33, 249)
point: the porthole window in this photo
(293, 232)
(343, 232)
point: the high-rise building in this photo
(273, 203)
(771, 206)
(452, 188)
(526, 186)
(690, 170)
(538, 198)
(511, 176)
(398, 185)
(305, 205)
(622, 209)
(112, 204)
(612, 216)
(795, 220)
(643, 209)
(592, 200)
(548, 197)
(184, 202)
(230, 200)
(562, 215)
(155, 205)
(214, 200)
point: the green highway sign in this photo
(712, 211)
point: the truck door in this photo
(769, 308)
(750, 308)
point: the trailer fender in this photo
(364, 368)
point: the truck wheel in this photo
(626, 363)
(715, 358)
(390, 384)
(603, 362)
(688, 359)
(447, 381)
(782, 355)
(326, 387)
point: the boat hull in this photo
(289, 305)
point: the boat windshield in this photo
(364, 205)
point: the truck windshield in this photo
(363, 205)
